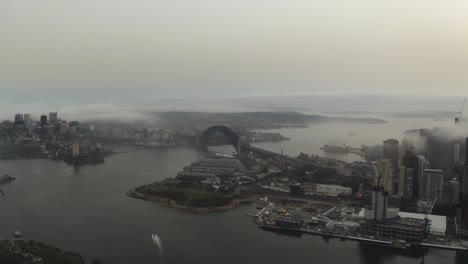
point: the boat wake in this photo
(158, 243)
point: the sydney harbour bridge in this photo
(242, 147)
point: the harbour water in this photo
(85, 209)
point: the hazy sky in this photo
(218, 47)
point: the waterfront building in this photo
(210, 167)
(384, 177)
(432, 185)
(400, 228)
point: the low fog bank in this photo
(138, 107)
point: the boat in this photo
(6, 179)
(158, 243)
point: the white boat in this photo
(158, 243)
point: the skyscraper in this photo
(405, 185)
(432, 184)
(384, 177)
(411, 161)
(391, 151)
(53, 117)
(27, 120)
(423, 164)
(464, 181)
(43, 121)
(19, 121)
(441, 150)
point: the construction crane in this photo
(459, 115)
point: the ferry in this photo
(158, 243)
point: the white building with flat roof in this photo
(438, 222)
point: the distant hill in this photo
(256, 119)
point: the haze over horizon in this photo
(119, 48)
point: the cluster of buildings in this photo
(219, 166)
(50, 137)
(431, 170)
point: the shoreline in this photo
(166, 202)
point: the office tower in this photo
(53, 117)
(385, 175)
(465, 171)
(379, 203)
(423, 164)
(465, 210)
(411, 161)
(441, 150)
(432, 184)
(451, 193)
(391, 151)
(405, 184)
(27, 120)
(43, 121)
(18, 117)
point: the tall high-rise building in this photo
(432, 184)
(423, 164)
(27, 120)
(19, 121)
(451, 193)
(43, 121)
(464, 179)
(405, 185)
(411, 161)
(442, 150)
(379, 203)
(384, 177)
(19, 117)
(53, 118)
(391, 151)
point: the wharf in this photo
(358, 239)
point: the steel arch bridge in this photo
(232, 136)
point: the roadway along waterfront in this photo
(86, 209)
